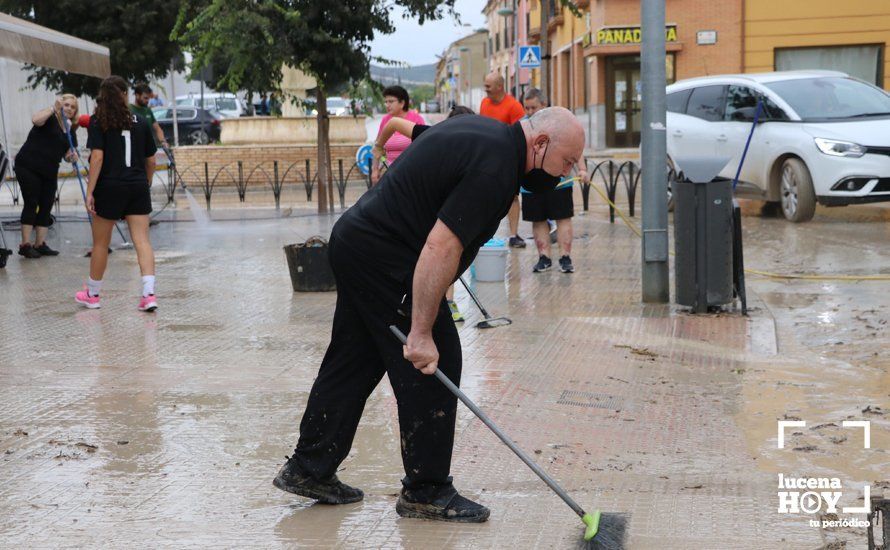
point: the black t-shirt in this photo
(45, 147)
(463, 171)
(125, 152)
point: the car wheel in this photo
(199, 137)
(798, 195)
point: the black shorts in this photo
(553, 205)
(115, 202)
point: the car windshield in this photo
(830, 98)
(186, 101)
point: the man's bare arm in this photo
(434, 272)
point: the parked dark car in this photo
(189, 120)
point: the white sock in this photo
(93, 287)
(148, 285)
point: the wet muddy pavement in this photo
(121, 429)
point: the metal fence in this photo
(275, 176)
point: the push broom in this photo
(488, 321)
(602, 532)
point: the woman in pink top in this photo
(397, 104)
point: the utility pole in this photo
(545, 48)
(656, 286)
(516, 48)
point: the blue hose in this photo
(738, 171)
(83, 191)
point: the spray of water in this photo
(200, 215)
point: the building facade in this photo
(594, 56)
(508, 24)
(461, 70)
(851, 37)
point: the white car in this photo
(821, 136)
(227, 105)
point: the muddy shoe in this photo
(449, 507)
(327, 491)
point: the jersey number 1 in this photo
(126, 135)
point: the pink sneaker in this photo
(83, 297)
(148, 303)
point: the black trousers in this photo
(362, 349)
(38, 193)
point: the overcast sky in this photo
(419, 45)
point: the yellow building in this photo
(849, 36)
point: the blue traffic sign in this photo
(362, 159)
(529, 57)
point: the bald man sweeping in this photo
(393, 255)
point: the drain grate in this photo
(587, 399)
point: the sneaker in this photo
(90, 302)
(327, 491)
(455, 313)
(45, 250)
(517, 242)
(565, 264)
(28, 251)
(449, 507)
(544, 264)
(148, 303)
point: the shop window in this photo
(863, 62)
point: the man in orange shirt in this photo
(500, 105)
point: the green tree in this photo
(326, 39)
(421, 94)
(137, 32)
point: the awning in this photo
(27, 42)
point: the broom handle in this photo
(474, 297)
(545, 477)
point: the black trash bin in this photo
(310, 270)
(703, 235)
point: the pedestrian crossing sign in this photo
(529, 57)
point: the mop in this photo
(602, 532)
(489, 321)
(126, 244)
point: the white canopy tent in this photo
(27, 42)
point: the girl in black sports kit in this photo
(37, 171)
(122, 164)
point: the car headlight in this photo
(837, 148)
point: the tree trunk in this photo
(322, 164)
(330, 168)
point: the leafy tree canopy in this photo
(137, 32)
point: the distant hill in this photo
(409, 76)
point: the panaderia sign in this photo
(609, 36)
